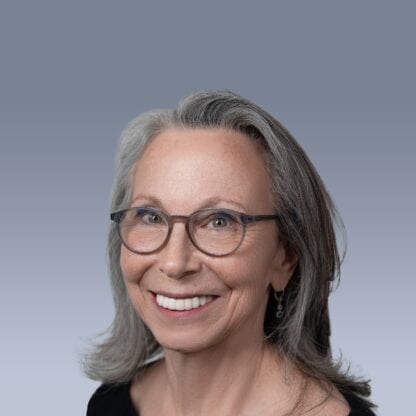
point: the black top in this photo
(114, 400)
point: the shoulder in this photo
(357, 405)
(111, 399)
(323, 402)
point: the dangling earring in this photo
(279, 299)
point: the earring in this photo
(279, 299)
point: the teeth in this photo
(182, 304)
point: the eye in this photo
(221, 220)
(152, 218)
(148, 216)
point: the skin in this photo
(181, 171)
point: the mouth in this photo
(183, 303)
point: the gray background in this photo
(339, 75)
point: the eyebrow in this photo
(150, 199)
(208, 203)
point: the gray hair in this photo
(308, 220)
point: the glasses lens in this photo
(216, 232)
(143, 229)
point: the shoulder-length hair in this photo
(308, 220)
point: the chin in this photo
(186, 343)
(185, 347)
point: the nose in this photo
(177, 258)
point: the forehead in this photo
(185, 167)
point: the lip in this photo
(185, 314)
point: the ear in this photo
(284, 265)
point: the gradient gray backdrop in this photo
(339, 75)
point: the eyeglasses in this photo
(216, 232)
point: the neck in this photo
(219, 380)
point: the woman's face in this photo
(180, 172)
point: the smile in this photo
(183, 304)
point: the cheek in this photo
(256, 267)
(133, 270)
(249, 275)
(125, 263)
(131, 266)
(249, 292)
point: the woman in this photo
(222, 256)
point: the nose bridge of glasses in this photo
(172, 219)
(178, 236)
(179, 218)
